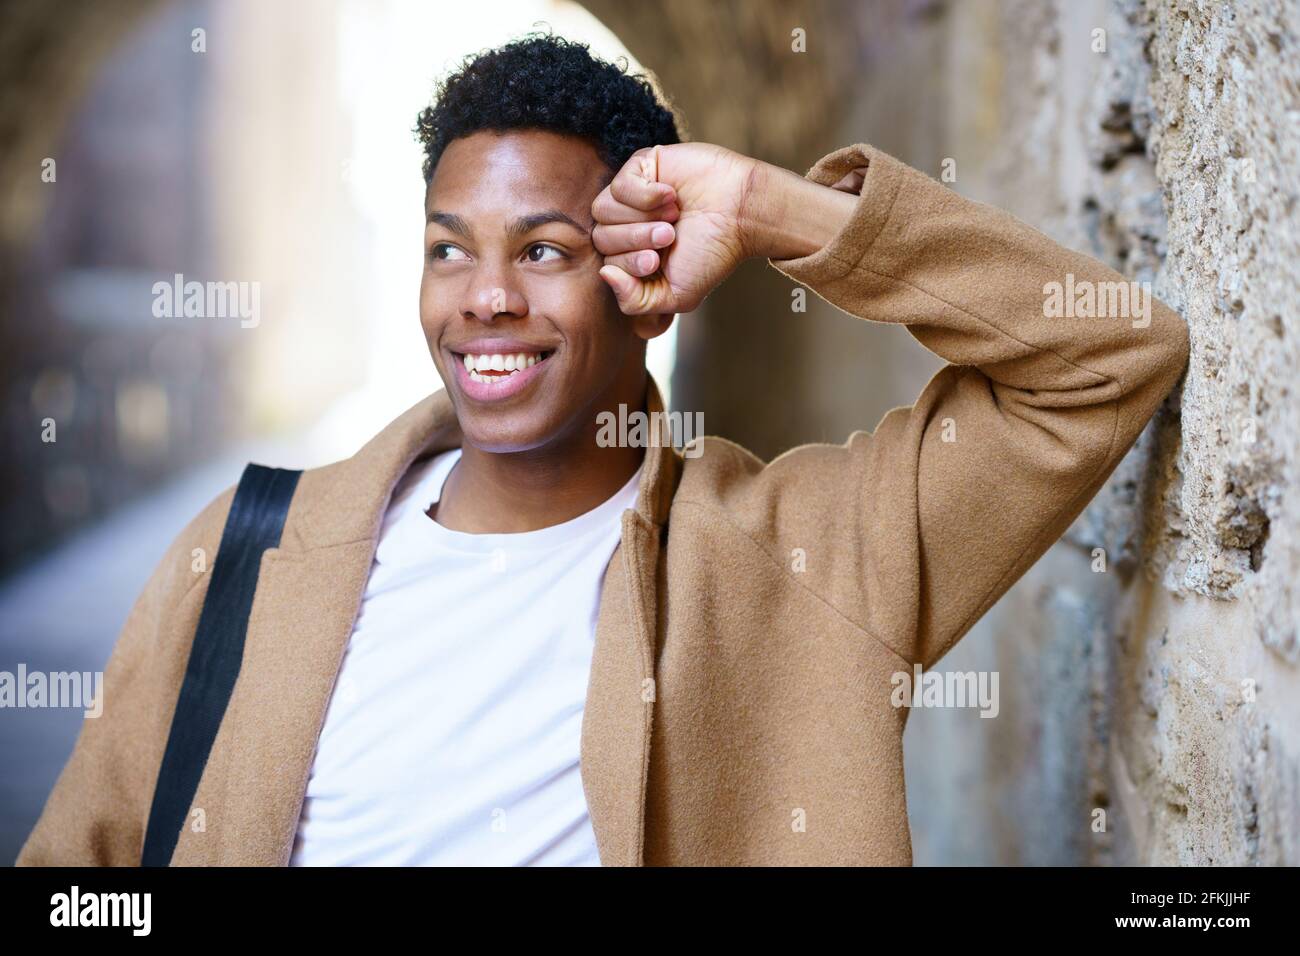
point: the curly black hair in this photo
(546, 82)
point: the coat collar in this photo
(309, 593)
(354, 493)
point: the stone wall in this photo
(1163, 689)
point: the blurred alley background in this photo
(271, 143)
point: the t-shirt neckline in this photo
(588, 524)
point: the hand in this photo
(670, 225)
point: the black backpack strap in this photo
(254, 524)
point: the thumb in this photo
(635, 296)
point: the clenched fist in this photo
(676, 220)
(669, 225)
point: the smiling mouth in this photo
(495, 368)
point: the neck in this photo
(508, 493)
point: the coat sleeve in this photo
(97, 812)
(950, 500)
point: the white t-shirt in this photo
(453, 733)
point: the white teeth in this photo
(475, 365)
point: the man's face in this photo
(511, 281)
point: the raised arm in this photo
(965, 489)
(1055, 368)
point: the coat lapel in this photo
(620, 702)
(617, 721)
(308, 596)
(299, 628)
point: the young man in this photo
(492, 637)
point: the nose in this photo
(491, 294)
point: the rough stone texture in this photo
(1224, 131)
(1173, 157)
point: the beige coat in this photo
(739, 706)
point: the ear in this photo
(651, 326)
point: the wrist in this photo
(760, 209)
(785, 216)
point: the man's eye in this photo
(445, 250)
(538, 252)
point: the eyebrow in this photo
(526, 224)
(450, 222)
(520, 227)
